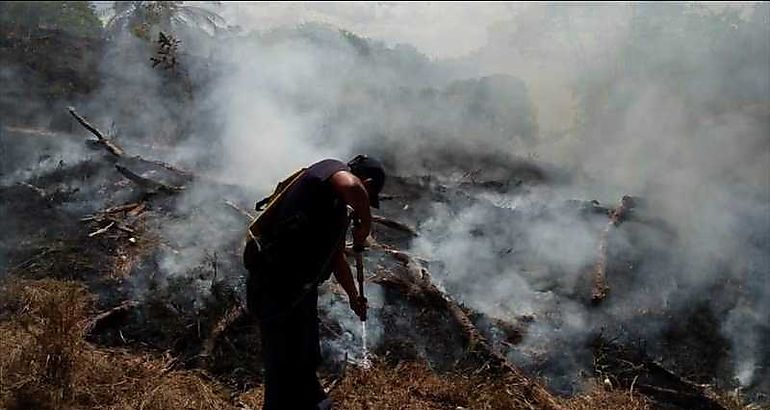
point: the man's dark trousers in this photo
(288, 319)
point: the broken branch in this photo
(617, 215)
(110, 146)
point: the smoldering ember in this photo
(575, 214)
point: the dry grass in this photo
(414, 385)
(46, 364)
(407, 385)
(45, 340)
(598, 397)
(735, 400)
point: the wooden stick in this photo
(101, 231)
(600, 289)
(617, 215)
(121, 208)
(120, 225)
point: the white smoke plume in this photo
(651, 101)
(669, 103)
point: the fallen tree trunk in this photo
(415, 282)
(135, 168)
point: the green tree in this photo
(146, 18)
(24, 18)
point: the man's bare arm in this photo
(353, 193)
(343, 274)
(345, 278)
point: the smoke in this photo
(668, 111)
(665, 102)
(50, 152)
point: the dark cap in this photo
(365, 167)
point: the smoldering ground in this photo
(665, 107)
(667, 103)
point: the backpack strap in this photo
(266, 204)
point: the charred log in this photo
(146, 183)
(415, 282)
(166, 178)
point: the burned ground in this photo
(119, 246)
(493, 280)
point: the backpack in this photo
(266, 205)
(258, 246)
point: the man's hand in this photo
(359, 306)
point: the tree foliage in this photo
(26, 17)
(146, 18)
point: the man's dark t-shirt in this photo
(310, 223)
(305, 228)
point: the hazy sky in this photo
(438, 29)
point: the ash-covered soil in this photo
(164, 272)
